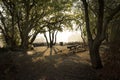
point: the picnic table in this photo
(75, 48)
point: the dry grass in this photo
(38, 64)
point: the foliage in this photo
(26, 18)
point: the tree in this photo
(53, 21)
(101, 27)
(52, 27)
(21, 17)
(25, 17)
(28, 16)
(8, 24)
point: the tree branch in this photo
(85, 4)
(100, 18)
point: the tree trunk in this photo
(94, 44)
(33, 38)
(50, 42)
(46, 40)
(8, 41)
(95, 56)
(24, 42)
(55, 38)
(51, 47)
(83, 37)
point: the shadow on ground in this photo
(21, 66)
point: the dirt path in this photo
(38, 65)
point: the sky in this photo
(65, 36)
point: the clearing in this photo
(38, 64)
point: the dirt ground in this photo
(38, 64)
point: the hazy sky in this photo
(66, 36)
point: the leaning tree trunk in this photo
(33, 38)
(46, 40)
